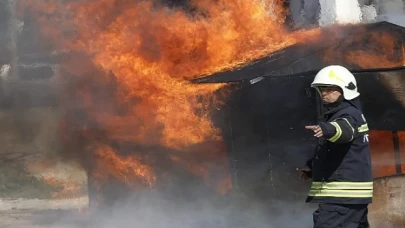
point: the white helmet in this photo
(337, 76)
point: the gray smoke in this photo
(156, 211)
(307, 13)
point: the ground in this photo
(34, 213)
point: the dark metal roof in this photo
(309, 58)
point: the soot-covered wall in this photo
(265, 134)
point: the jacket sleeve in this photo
(340, 130)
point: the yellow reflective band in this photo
(342, 189)
(338, 132)
(342, 185)
(341, 193)
(363, 128)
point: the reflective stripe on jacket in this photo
(341, 168)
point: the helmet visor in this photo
(326, 88)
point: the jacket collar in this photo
(337, 106)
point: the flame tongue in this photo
(129, 170)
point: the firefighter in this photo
(342, 182)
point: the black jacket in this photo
(341, 169)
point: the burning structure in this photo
(135, 129)
(138, 115)
(256, 150)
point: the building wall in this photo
(388, 207)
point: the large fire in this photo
(138, 106)
(152, 52)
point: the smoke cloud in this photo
(151, 209)
(157, 212)
(320, 12)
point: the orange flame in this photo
(152, 52)
(365, 49)
(129, 170)
(65, 187)
(382, 43)
(68, 188)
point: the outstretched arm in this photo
(340, 130)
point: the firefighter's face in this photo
(330, 94)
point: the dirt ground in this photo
(35, 213)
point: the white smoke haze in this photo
(339, 11)
(369, 13)
(154, 211)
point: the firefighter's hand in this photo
(316, 129)
(304, 173)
